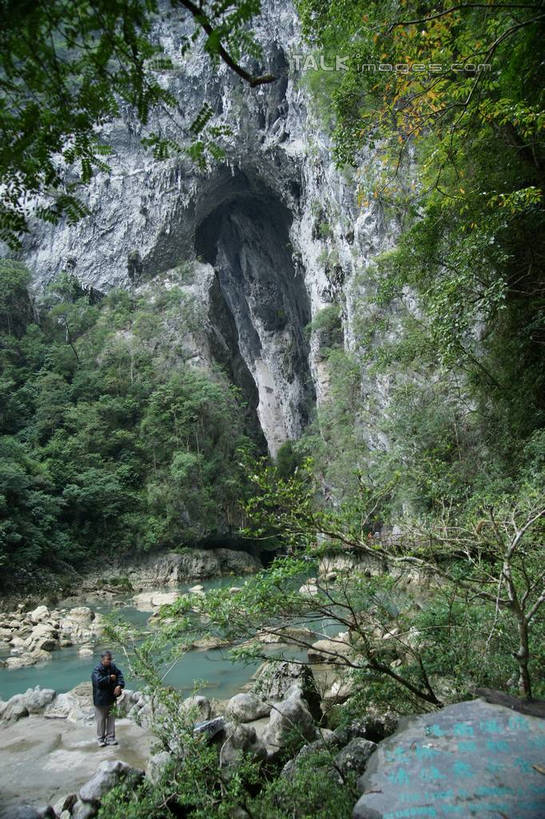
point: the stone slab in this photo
(42, 760)
(470, 759)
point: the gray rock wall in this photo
(278, 224)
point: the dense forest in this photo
(112, 441)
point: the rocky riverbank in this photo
(259, 721)
(112, 575)
(468, 758)
(30, 636)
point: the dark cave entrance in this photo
(243, 232)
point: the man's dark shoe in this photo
(112, 742)
(101, 743)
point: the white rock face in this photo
(246, 707)
(276, 227)
(147, 601)
(289, 716)
(39, 614)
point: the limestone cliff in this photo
(275, 228)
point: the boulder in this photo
(326, 741)
(309, 590)
(81, 614)
(17, 642)
(289, 717)
(137, 707)
(330, 650)
(147, 601)
(240, 739)
(340, 690)
(36, 699)
(83, 810)
(40, 613)
(65, 804)
(44, 636)
(156, 765)
(210, 642)
(295, 635)
(354, 756)
(198, 706)
(469, 759)
(109, 773)
(13, 709)
(75, 705)
(273, 681)
(19, 662)
(247, 707)
(211, 728)
(374, 724)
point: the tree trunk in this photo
(522, 656)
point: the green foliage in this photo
(455, 156)
(287, 460)
(194, 783)
(109, 440)
(313, 791)
(328, 328)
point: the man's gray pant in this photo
(105, 722)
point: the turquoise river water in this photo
(222, 678)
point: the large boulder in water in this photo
(470, 759)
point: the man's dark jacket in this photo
(103, 686)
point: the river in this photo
(67, 668)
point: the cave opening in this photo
(243, 231)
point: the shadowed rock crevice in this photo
(245, 237)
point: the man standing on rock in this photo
(108, 683)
